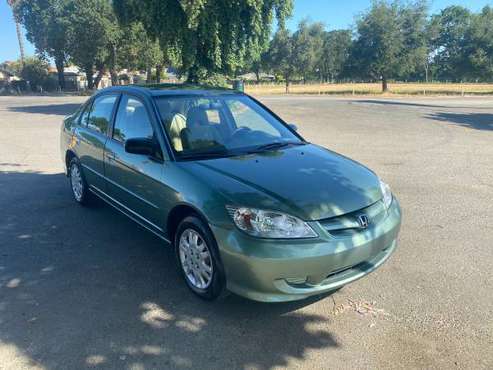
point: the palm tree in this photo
(19, 32)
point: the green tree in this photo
(281, 56)
(258, 65)
(307, 44)
(35, 71)
(414, 24)
(47, 24)
(447, 31)
(207, 36)
(137, 50)
(479, 45)
(93, 35)
(385, 37)
(334, 54)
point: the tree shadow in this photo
(86, 287)
(53, 109)
(478, 121)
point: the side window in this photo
(248, 118)
(100, 115)
(132, 120)
(84, 117)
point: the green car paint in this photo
(309, 182)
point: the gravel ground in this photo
(88, 288)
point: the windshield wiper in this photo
(206, 155)
(276, 145)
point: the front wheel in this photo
(198, 258)
(78, 183)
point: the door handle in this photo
(111, 156)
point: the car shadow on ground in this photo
(88, 287)
(478, 121)
(53, 109)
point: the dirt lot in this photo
(89, 288)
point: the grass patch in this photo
(374, 89)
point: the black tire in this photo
(217, 283)
(84, 197)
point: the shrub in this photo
(35, 71)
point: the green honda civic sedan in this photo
(246, 203)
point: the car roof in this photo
(171, 90)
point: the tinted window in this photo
(84, 117)
(100, 115)
(132, 120)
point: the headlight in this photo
(269, 224)
(386, 194)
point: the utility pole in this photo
(19, 31)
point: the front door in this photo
(135, 180)
(91, 135)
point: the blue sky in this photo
(333, 13)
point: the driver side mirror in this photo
(141, 145)
(293, 127)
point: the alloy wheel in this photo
(76, 182)
(195, 258)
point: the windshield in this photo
(218, 126)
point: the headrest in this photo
(197, 116)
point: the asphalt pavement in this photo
(88, 288)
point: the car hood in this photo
(306, 181)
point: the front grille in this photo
(348, 224)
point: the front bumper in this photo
(286, 270)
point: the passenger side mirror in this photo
(293, 127)
(141, 145)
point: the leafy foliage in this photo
(447, 37)
(210, 41)
(334, 55)
(35, 70)
(479, 44)
(307, 44)
(93, 33)
(389, 43)
(211, 35)
(281, 57)
(47, 24)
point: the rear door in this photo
(92, 134)
(135, 181)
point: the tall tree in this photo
(137, 50)
(479, 45)
(20, 38)
(334, 54)
(47, 27)
(281, 56)
(207, 36)
(93, 35)
(307, 44)
(258, 65)
(414, 23)
(381, 49)
(448, 30)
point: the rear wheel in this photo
(78, 183)
(198, 258)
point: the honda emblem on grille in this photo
(363, 221)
